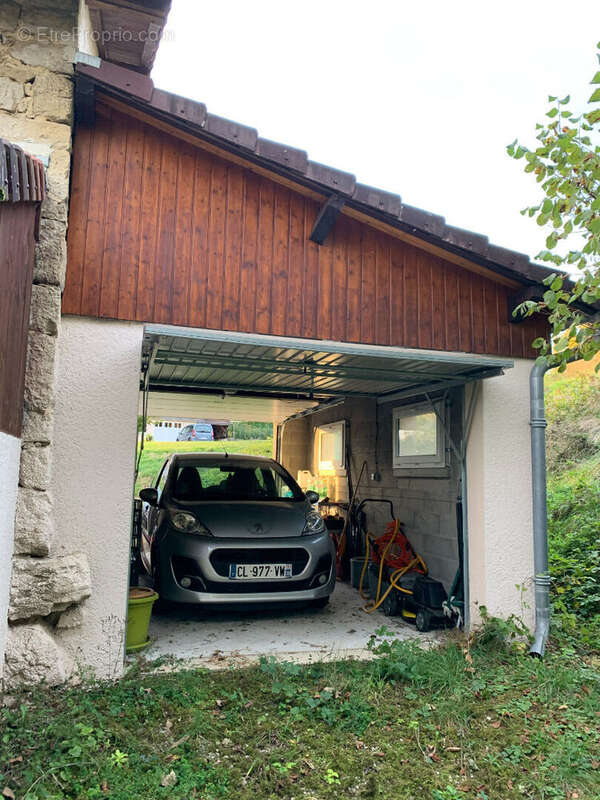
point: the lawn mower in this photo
(397, 579)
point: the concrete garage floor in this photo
(215, 639)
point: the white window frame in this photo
(437, 461)
(332, 427)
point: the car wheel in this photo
(160, 606)
(321, 602)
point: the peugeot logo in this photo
(258, 528)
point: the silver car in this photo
(219, 528)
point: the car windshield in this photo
(245, 481)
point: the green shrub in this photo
(574, 539)
(573, 412)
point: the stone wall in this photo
(37, 48)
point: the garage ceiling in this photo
(226, 364)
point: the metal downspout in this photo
(468, 421)
(540, 510)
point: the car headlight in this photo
(187, 523)
(313, 523)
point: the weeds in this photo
(473, 719)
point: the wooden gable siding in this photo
(162, 231)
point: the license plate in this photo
(259, 572)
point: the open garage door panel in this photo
(299, 373)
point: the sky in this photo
(416, 98)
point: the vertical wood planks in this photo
(165, 236)
(438, 300)
(280, 266)
(182, 256)
(165, 231)
(216, 245)
(233, 248)
(248, 274)
(411, 289)
(130, 233)
(339, 281)
(17, 223)
(353, 290)
(78, 221)
(199, 257)
(295, 267)
(325, 278)
(465, 312)
(310, 287)
(477, 313)
(262, 319)
(148, 225)
(95, 231)
(367, 317)
(450, 313)
(397, 299)
(111, 252)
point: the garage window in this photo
(419, 440)
(331, 443)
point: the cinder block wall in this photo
(426, 505)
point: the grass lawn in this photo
(155, 453)
(467, 720)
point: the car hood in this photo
(251, 520)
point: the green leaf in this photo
(595, 98)
(565, 99)
(593, 116)
(550, 299)
(554, 111)
(596, 78)
(539, 342)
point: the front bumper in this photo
(205, 562)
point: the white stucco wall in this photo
(10, 456)
(499, 496)
(93, 469)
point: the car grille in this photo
(296, 556)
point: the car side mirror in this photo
(149, 496)
(311, 496)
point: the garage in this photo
(337, 410)
(215, 274)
